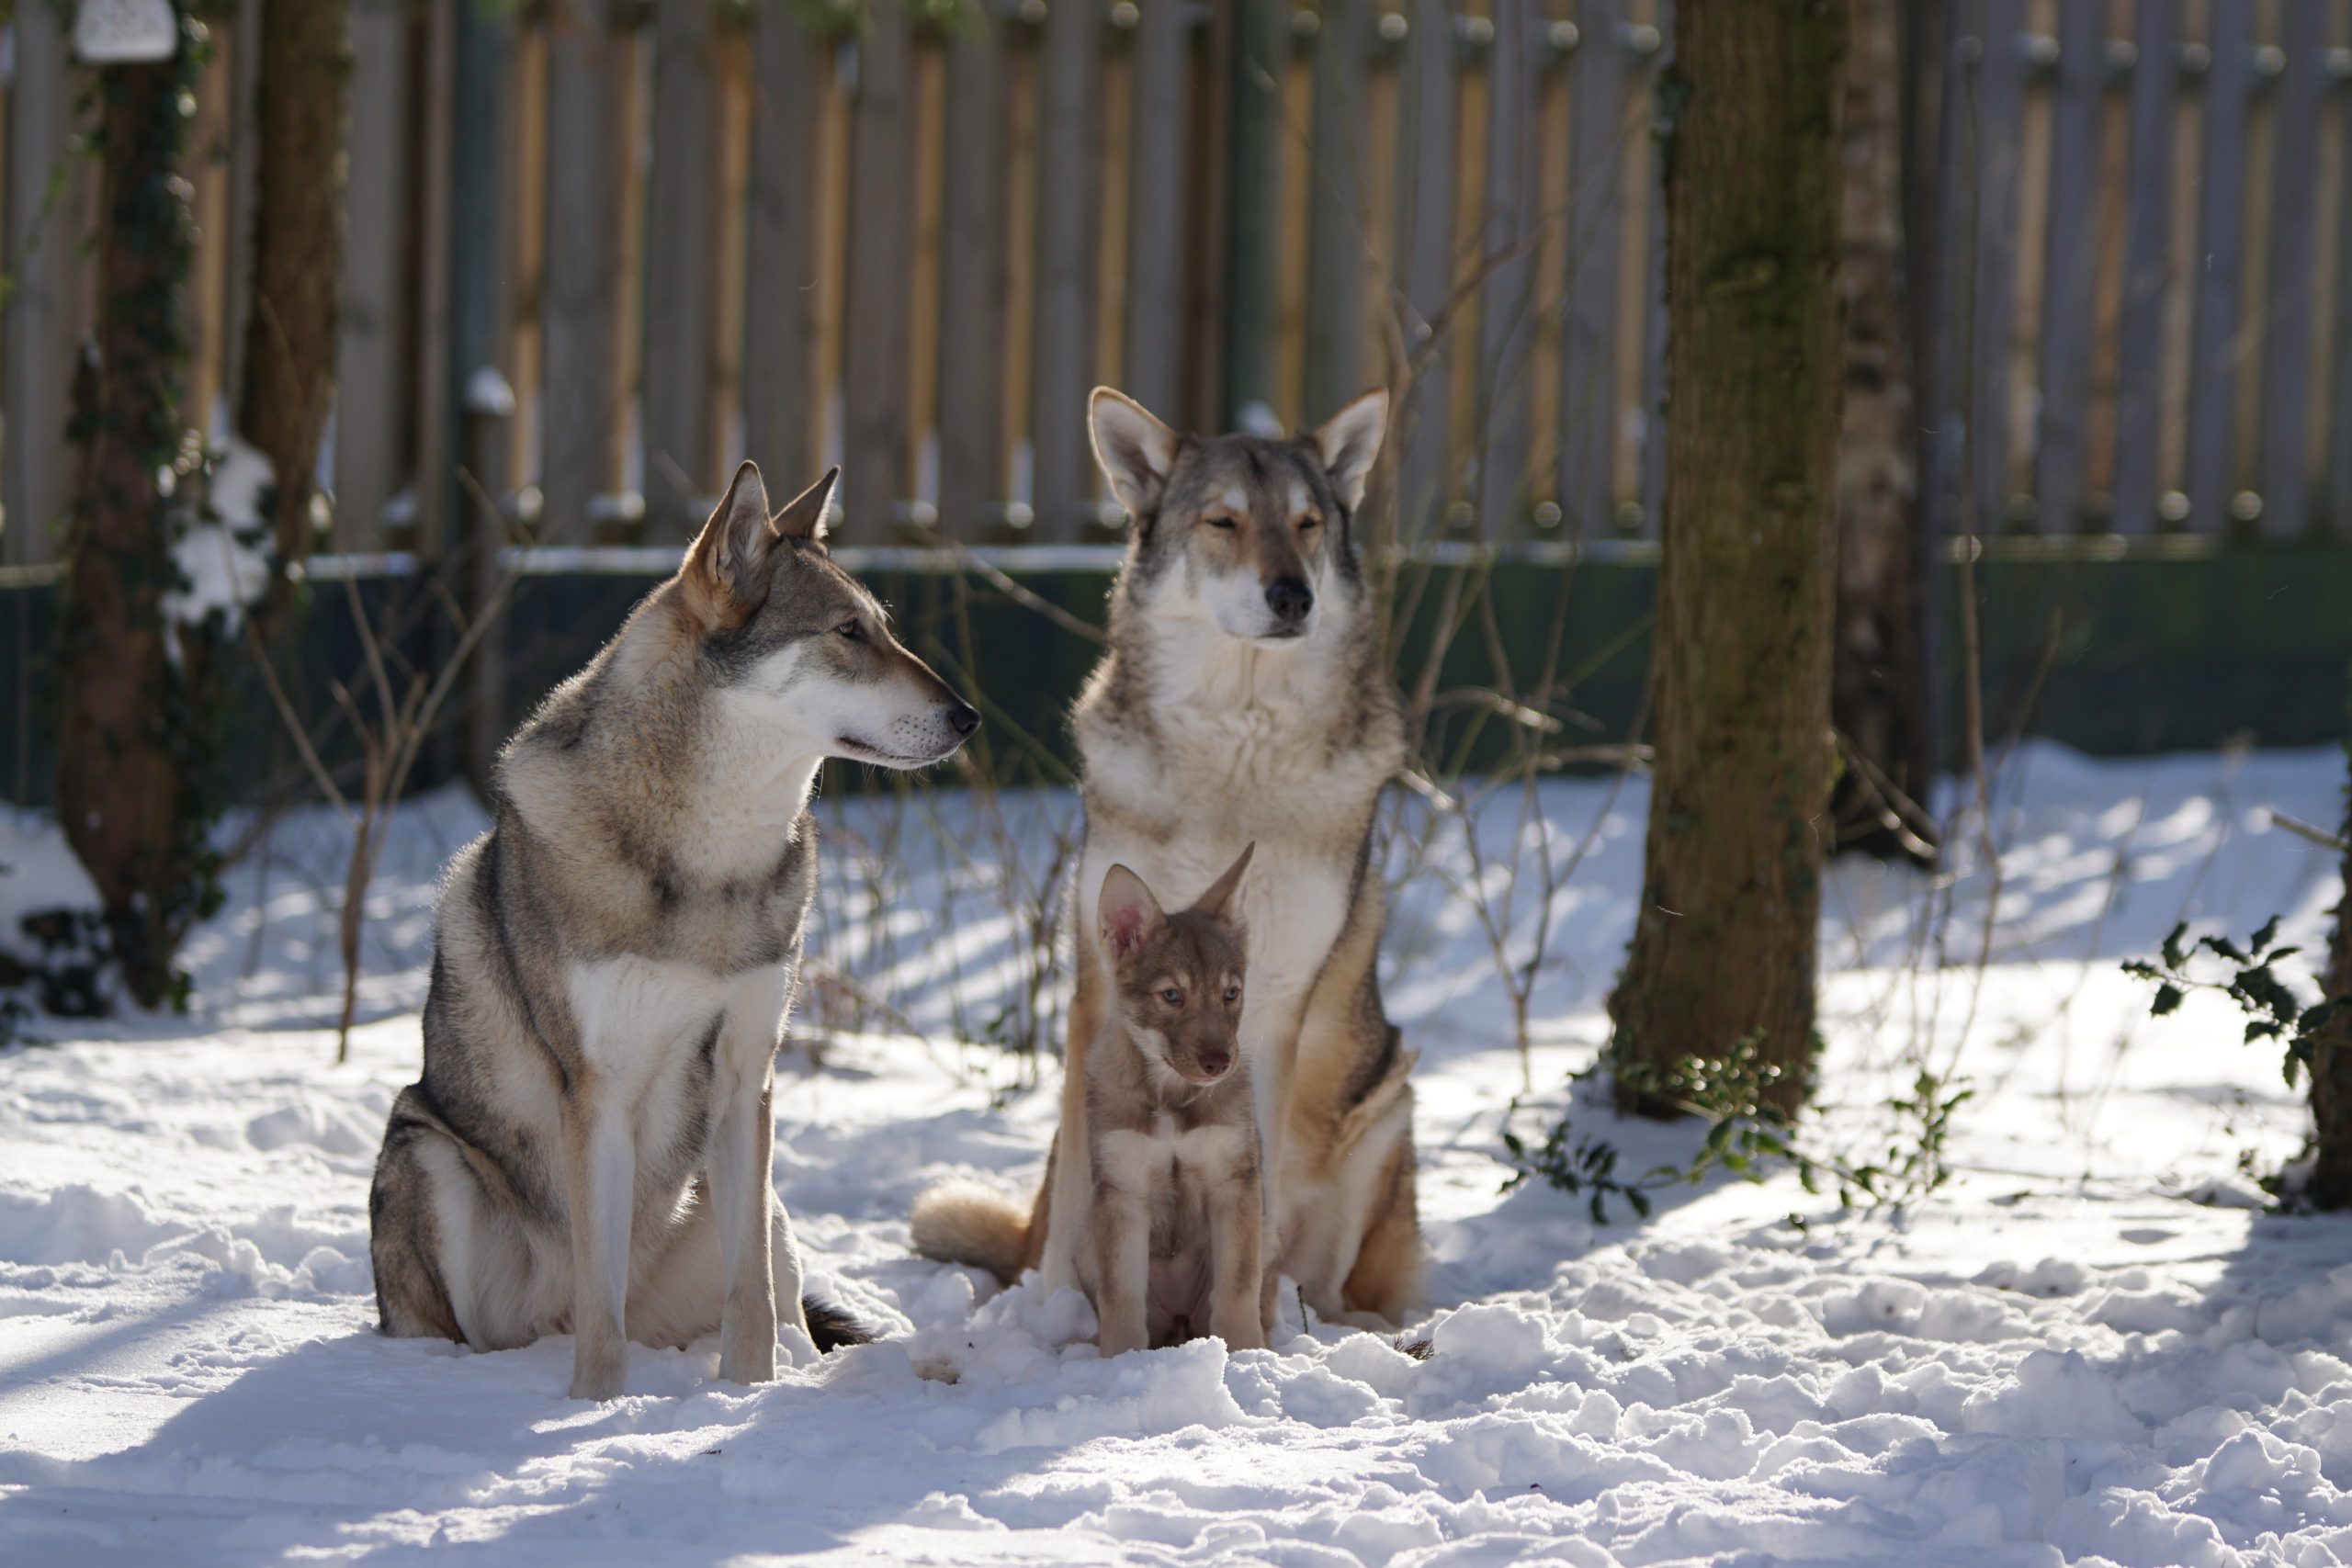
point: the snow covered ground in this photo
(2089, 1347)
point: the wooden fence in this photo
(909, 235)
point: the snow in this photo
(2059, 1358)
(223, 558)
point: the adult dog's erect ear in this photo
(803, 517)
(1136, 452)
(1219, 900)
(1350, 440)
(729, 562)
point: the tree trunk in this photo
(2331, 1085)
(1724, 949)
(1879, 694)
(128, 726)
(299, 121)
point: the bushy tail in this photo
(831, 1326)
(964, 1221)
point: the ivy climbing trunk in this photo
(300, 122)
(130, 724)
(1724, 947)
(2330, 1072)
(1878, 695)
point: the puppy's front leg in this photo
(600, 1170)
(742, 1196)
(1235, 1223)
(1121, 1234)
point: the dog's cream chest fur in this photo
(643, 1021)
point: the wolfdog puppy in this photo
(589, 1147)
(1244, 698)
(1172, 1145)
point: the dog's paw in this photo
(750, 1362)
(597, 1375)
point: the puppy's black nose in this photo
(963, 719)
(1289, 598)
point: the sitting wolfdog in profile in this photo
(589, 1147)
(1171, 1143)
(1244, 698)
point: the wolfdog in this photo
(1244, 699)
(589, 1147)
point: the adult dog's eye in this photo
(1172, 997)
(852, 630)
(1220, 521)
(1312, 520)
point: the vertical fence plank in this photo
(1337, 256)
(1156, 231)
(1935, 219)
(1062, 351)
(2147, 235)
(2221, 250)
(588, 119)
(1506, 298)
(2339, 394)
(2284, 476)
(782, 380)
(1425, 245)
(1261, 45)
(2070, 275)
(1588, 402)
(236, 246)
(680, 274)
(1654, 324)
(369, 462)
(2000, 81)
(49, 308)
(881, 250)
(972, 284)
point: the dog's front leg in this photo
(1120, 1233)
(600, 1161)
(1237, 1257)
(742, 1197)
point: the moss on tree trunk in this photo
(132, 721)
(1724, 947)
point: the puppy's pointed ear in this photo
(803, 517)
(729, 562)
(1219, 901)
(1350, 440)
(1136, 452)
(1126, 914)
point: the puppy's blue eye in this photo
(1172, 997)
(1232, 994)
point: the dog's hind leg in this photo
(404, 1242)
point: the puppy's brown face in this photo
(1177, 978)
(1257, 534)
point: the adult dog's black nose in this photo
(1289, 598)
(963, 719)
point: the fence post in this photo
(2221, 234)
(2294, 241)
(1062, 354)
(972, 279)
(781, 375)
(1507, 307)
(49, 308)
(680, 274)
(1425, 279)
(1157, 206)
(588, 98)
(2000, 83)
(1593, 242)
(1260, 52)
(2071, 273)
(489, 403)
(2147, 221)
(876, 343)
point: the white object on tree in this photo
(125, 32)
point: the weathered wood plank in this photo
(2284, 474)
(2220, 250)
(2147, 267)
(782, 380)
(1067, 241)
(973, 282)
(1594, 234)
(2070, 274)
(1507, 296)
(48, 308)
(588, 120)
(1156, 227)
(1654, 324)
(1935, 217)
(1262, 44)
(1425, 132)
(681, 274)
(876, 345)
(2000, 83)
(1338, 259)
